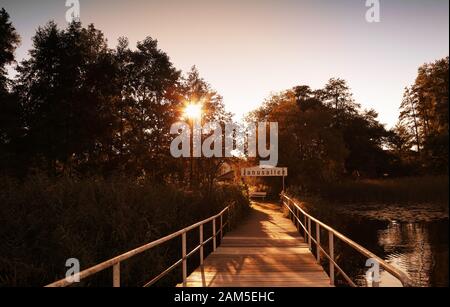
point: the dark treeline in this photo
(325, 136)
(80, 108)
(85, 164)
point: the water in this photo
(411, 238)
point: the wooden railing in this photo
(114, 263)
(305, 221)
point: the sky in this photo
(248, 49)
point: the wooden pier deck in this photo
(265, 251)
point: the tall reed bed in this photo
(430, 189)
(43, 222)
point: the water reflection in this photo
(415, 241)
(409, 247)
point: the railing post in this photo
(229, 219)
(221, 229)
(214, 235)
(288, 207)
(309, 233)
(292, 212)
(183, 254)
(116, 275)
(304, 227)
(289, 210)
(201, 245)
(318, 241)
(331, 250)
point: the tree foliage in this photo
(424, 114)
(86, 109)
(10, 125)
(324, 135)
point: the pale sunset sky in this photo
(247, 49)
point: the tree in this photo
(400, 140)
(91, 109)
(364, 138)
(424, 111)
(337, 95)
(67, 92)
(409, 116)
(10, 113)
(150, 104)
(9, 40)
(323, 134)
(195, 89)
(309, 144)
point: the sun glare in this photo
(193, 111)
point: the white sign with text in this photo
(264, 172)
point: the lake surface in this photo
(413, 238)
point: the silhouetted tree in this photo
(10, 113)
(324, 135)
(310, 145)
(150, 104)
(337, 95)
(196, 90)
(9, 39)
(424, 111)
(67, 88)
(409, 116)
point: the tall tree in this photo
(150, 105)
(197, 91)
(10, 119)
(310, 145)
(9, 40)
(337, 94)
(66, 88)
(424, 111)
(324, 134)
(401, 140)
(409, 116)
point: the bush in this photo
(46, 221)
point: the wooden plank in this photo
(258, 285)
(261, 250)
(265, 251)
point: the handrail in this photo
(306, 225)
(116, 261)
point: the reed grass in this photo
(429, 189)
(46, 221)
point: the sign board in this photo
(264, 172)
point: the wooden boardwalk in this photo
(265, 251)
